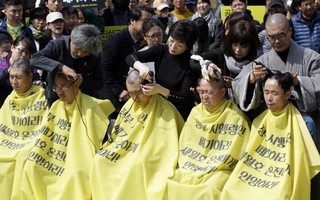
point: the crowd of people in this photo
(178, 105)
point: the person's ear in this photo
(78, 82)
(223, 92)
(30, 76)
(288, 94)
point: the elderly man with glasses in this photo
(287, 56)
(68, 139)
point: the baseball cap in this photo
(53, 16)
(276, 2)
(160, 4)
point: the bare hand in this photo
(69, 73)
(257, 72)
(143, 71)
(124, 96)
(38, 83)
(294, 77)
(227, 81)
(151, 89)
(212, 69)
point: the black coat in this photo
(115, 69)
(57, 53)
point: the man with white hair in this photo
(72, 55)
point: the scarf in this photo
(234, 66)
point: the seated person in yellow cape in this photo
(142, 150)
(280, 158)
(71, 134)
(20, 117)
(211, 143)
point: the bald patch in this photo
(277, 19)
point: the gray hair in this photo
(22, 63)
(133, 77)
(86, 37)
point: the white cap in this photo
(53, 16)
(160, 4)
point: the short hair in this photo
(86, 37)
(205, 1)
(184, 31)
(300, 1)
(148, 24)
(60, 75)
(22, 63)
(135, 14)
(27, 42)
(38, 13)
(284, 79)
(8, 3)
(68, 10)
(133, 77)
(242, 32)
(220, 82)
(243, 1)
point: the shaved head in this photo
(279, 32)
(276, 19)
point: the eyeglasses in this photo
(63, 88)
(21, 51)
(280, 37)
(155, 36)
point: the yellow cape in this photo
(59, 163)
(141, 153)
(20, 116)
(210, 144)
(279, 161)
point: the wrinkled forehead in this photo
(16, 71)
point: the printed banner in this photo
(256, 11)
(210, 145)
(109, 31)
(141, 153)
(20, 118)
(84, 3)
(59, 163)
(279, 161)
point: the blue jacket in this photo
(25, 31)
(305, 36)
